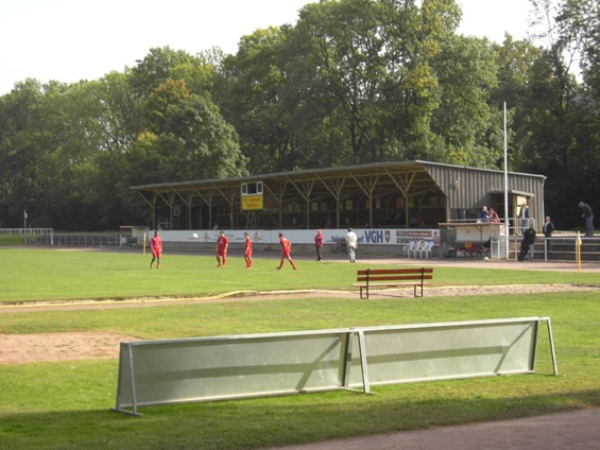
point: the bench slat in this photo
(394, 271)
(403, 277)
(391, 278)
(376, 285)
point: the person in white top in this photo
(351, 244)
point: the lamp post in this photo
(25, 226)
(506, 219)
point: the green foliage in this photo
(467, 72)
(11, 239)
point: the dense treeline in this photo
(353, 81)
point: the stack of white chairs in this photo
(409, 248)
(417, 249)
(426, 250)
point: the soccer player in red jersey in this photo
(156, 247)
(319, 245)
(248, 251)
(286, 251)
(222, 244)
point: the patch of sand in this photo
(28, 348)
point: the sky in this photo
(71, 40)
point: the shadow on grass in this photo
(268, 422)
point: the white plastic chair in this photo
(426, 249)
(417, 250)
(409, 248)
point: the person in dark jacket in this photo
(589, 219)
(548, 227)
(527, 243)
(484, 215)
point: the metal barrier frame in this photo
(259, 365)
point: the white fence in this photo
(26, 233)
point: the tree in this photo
(156, 67)
(352, 82)
(250, 98)
(467, 73)
(199, 143)
(22, 151)
(556, 128)
(515, 61)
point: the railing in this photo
(84, 240)
(26, 235)
(35, 231)
(562, 248)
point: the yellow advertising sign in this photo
(252, 202)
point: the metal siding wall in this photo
(475, 187)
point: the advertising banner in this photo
(366, 236)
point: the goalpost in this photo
(27, 234)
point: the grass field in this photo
(42, 274)
(63, 405)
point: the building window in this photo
(252, 188)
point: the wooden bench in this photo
(373, 278)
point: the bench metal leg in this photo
(366, 288)
(415, 290)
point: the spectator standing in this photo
(248, 251)
(548, 227)
(351, 244)
(222, 245)
(416, 220)
(589, 219)
(524, 218)
(493, 216)
(527, 244)
(156, 247)
(484, 215)
(328, 222)
(286, 251)
(319, 245)
(397, 219)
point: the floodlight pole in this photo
(25, 226)
(506, 220)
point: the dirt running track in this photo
(576, 430)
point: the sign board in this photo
(252, 202)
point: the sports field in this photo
(66, 403)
